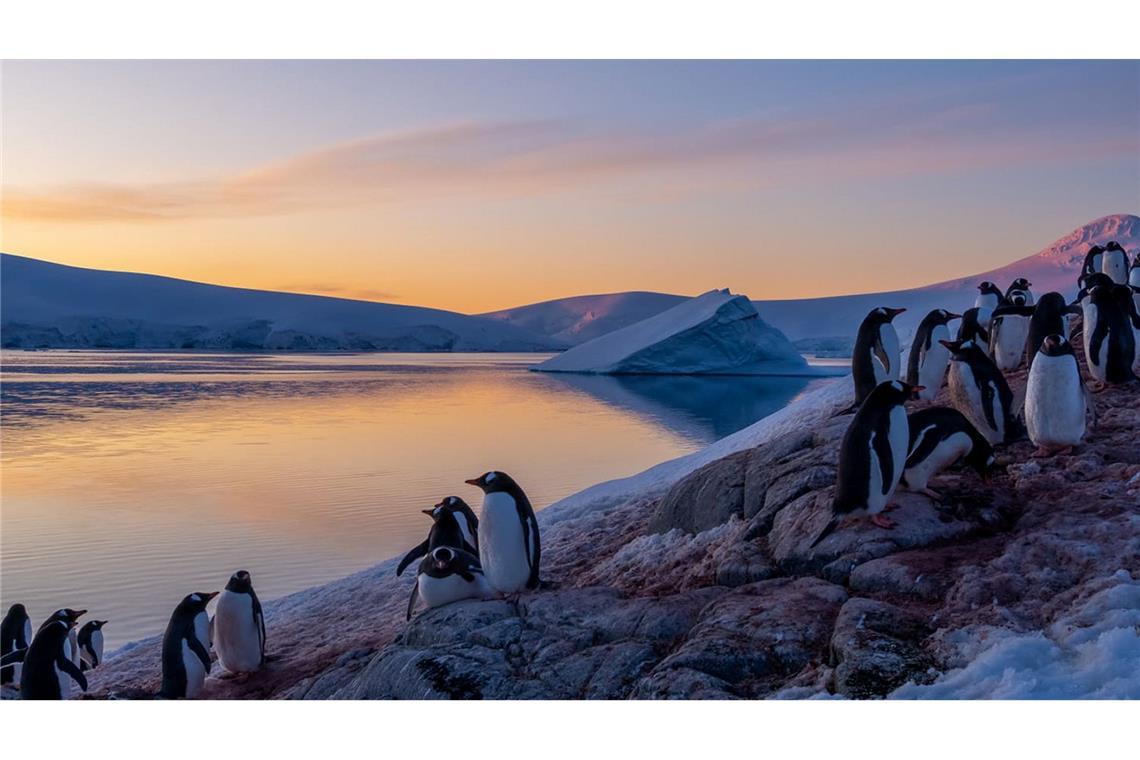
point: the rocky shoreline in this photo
(703, 584)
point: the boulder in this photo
(875, 648)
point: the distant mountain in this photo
(51, 305)
(828, 325)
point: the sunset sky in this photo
(480, 185)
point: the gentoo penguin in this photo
(1050, 317)
(1018, 293)
(1110, 325)
(928, 359)
(15, 634)
(239, 626)
(871, 456)
(448, 575)
(876, 356)
(989, 298)
(939, 437)
(1114, 263)
(468, 522)
(1008, 332)
(1091, 265)
(971, 329)
(446, 530)
(1056, 400)
(509, 548)
(185, 653)
(979, 390)
(91, 644)
(48, 669)
(69, 616)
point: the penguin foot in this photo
(932, 494)
(891, 507)
(885, 523)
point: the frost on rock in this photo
(714, 333)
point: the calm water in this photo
(131, 479)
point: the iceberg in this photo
(714, 333)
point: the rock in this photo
(876, 648)
(705, 498)
(744, 563)
(751, 638)
(924, 575)
(566, 644)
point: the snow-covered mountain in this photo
(807, 321)
(51, 305)
(714, 333)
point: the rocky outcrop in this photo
(1026, 587)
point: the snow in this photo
(815, 405)
(46, 304)
(581, 318)
(1091, 652)
(714, 333)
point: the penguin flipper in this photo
(67, 666)
(412, 556)
(467, 547)
(197, 648)
(412, 600)
(14, 657)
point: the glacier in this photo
(714, 333)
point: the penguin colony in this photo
(498, 553)
(884, 447)
(463, 557)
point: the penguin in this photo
(448, 575)
(446, 530)
(1018, 293)
(91, 644)
(989, 298)
(929, 359)
(68, 615)
(48, 669)
(468, 522)
(1056, 400)
(239, 626)
(1091, 265)
(1114, 263)
(979, 390)
(1050, 317)
(876, 357)
(939, 437)
(1009, 330)
(1110, 324)
(15, 635)
(1134, 281)
(871, 456)
(971, 329)
(185, 648)
(509, 547)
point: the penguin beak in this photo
(895, 312)
(80, 613)
(211, 595)
(428, 512)
(952, 315)
(474, 482)
(915, 390)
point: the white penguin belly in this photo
(1010, 335)
(237, 636)
(502, 552)
(932, 371)
(1116, 267)
(889, 337)
(1054, 402)
(879, 493)
(944, 454)
(64, 683)
(437, 592)
(195, 670)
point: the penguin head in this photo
(1020, 284)
(982, 459)
(441, 558)
(240, 582)
(962, 350)
(94, 625)
(884, 314)
(196, 602)
(492, 481)
(1113, 246)
(899, 392)
(67, 616)
(18, 610)
(1056, 345)
(450, 504)
(988, 287)
(944, 316)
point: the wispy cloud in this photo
(340, 291)
(514, 157)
